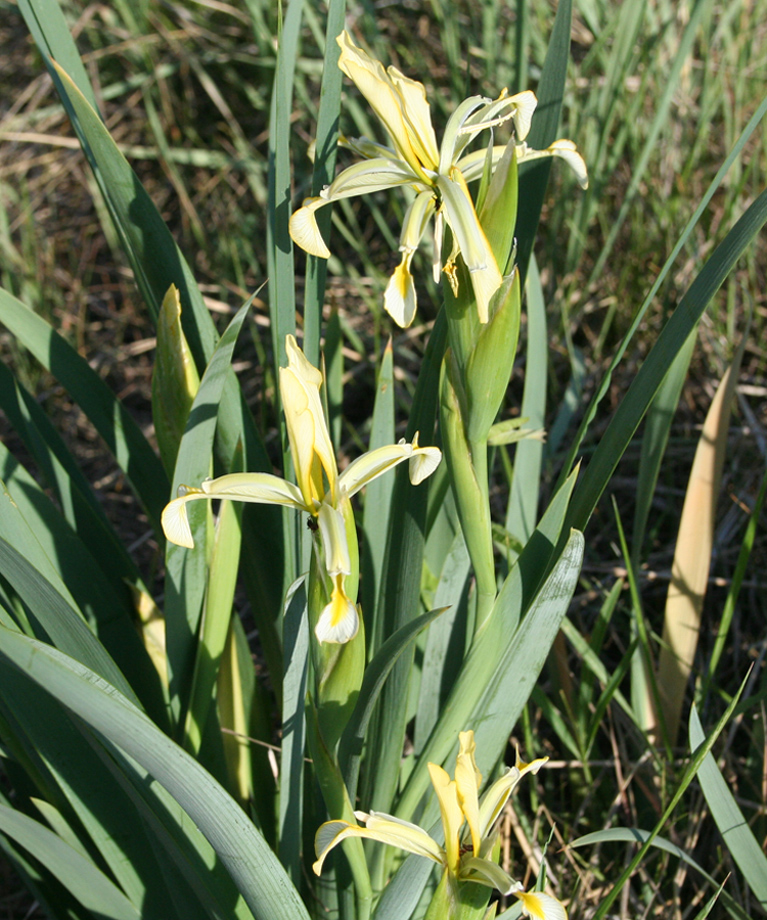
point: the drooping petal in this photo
(562, 148)
(493, 801)
(369, 176)
(310, 443)
(473, 164)
(376, 462)
(363, 178)
(477, 114)
(304, 231)
(452, 816)
(175, 523)
(486, 872)
(523, 116)
(381, 823)
(385, 829)
(366, 148)
(485, 275)
(339, 620)
(423, 462)
(386, 100)
(567, 151)
(540, 906)
(399, 297)
(259, 488)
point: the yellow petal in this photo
(495, 798)
(452, 816)
(175, 522)
(310, 443)
(383, 97)
(400, 297)
(485, 275)
(467, 782)
(256, 488)
(339, 620)
(540, 906)
(304, 231)
(423, 462)
(382, 828)
(486, 872)
(565, 150)
(334, 542)
(417, 117)
(525, 104)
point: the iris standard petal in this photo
(377, 87)
(452, 816)
(467, 781)
(540, 906)
(416, 113)
(492, 803)
(466, 787)
(308, 433)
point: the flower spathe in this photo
(437, 173)
(470, 824)
(321, 490)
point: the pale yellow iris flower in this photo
(321, 490)
(470, 824)
(438, 175)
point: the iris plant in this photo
(439, 175)
(321, 492)
(471, 830)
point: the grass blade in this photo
(645, 385)
(737, 835)
(122, 435)
(253, 867)
(535, 178)
(77, 873)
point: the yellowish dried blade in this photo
(692, 558)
